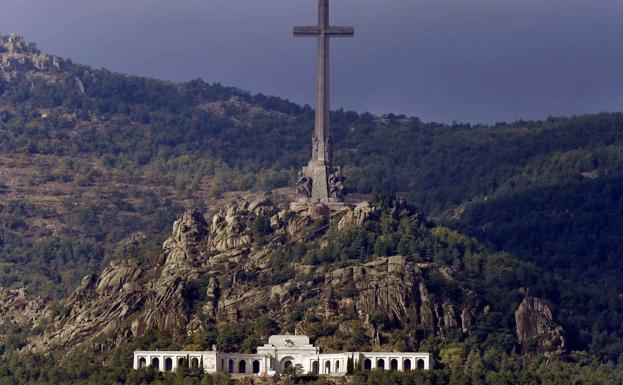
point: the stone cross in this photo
(320, 180)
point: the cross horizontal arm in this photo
(340, 31)
(331, 31)
(306, 31)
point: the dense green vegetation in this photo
(52, 264)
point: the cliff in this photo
(536, 325)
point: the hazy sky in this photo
(441, 60)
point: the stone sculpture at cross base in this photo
(320, 182)
(328, 188)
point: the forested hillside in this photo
(91, 160)
(377, 277)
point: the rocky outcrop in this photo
(232, 228)
(183, 244)
(20, 311)
(229, 230)
(355, 217)
(535, 325)
(427, 322)
(209, 272)
(17, 307)
(97, 307)
(15, 44)
(470, 307)
(17, 56)
(396, 289)
(212, 296)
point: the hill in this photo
(378, 276)
(92, 161)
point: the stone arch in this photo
(421, 364)
(367, 364)
(242, 366)
(181, 362)
(380, 364)
(287, 362)
(327, 367)
(155, 362)
(256, 366)
(230, 366)
(406, 364)
(194, 362)
(393, 364)
(337, 366)
(222, 364)
(315, 368)
(168, 364)
(142, 362)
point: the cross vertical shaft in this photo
(322, 92)
(320, 181)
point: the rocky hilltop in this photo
(223, 269)
(18, 56)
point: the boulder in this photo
(231, 229)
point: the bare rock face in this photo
(535, 324)
(97, 307)
(188, 231)
(168, 307)
(449, 315)
(388, 285)
(355, 217)
(232, 228)
(395, 288)
(212, 296)
(427, 321)
(229, 229)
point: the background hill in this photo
(92, 160)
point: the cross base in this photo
(318, 171)
(320, 183)
(318, 210)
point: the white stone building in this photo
(282, 352)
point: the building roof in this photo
(286, 340)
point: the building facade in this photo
(280, 353)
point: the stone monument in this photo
(320, 182)
(281, 353)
